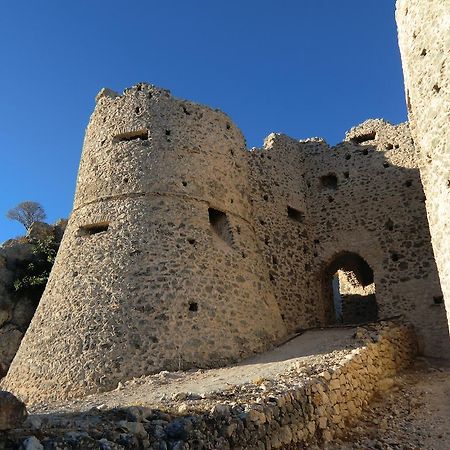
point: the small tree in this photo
(27, 213)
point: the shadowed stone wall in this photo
(363, 196)
(424, 39)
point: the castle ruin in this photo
(185, 249)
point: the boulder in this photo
(23, 312)
(6, 308)
(10, 338)
(12, 411)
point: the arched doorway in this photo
(349, 290)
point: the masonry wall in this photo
(374, 207)
(186, 250)
(424, 39)
(159, 267)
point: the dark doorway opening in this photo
(349, 290)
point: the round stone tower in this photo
(159, 267)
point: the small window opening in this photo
(424, 52)
(389, 225)
(346, 174)
(295, 214)
(131, 136)
(266, 197)
(365, 151)
(137, 110)
(193, 306)
(394, 256)
(348, 156)
(191, 241)
(389, 146)
(220, 225)
(385, 165)
(228, 126)
(184, 183)
(167, 132)
(329, 181)
(408, 183)
(436, 88)
(364, 137)
(438, 300)
(93, 228)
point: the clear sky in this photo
(301, 67)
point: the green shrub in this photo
(31, 277)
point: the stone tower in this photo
(159, 267)
(424, 39)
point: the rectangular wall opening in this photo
(93, 228)
(131, 136)
(220, 225)
(364, 137)
(295, 214)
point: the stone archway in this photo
(349, 290)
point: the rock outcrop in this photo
(18, 303)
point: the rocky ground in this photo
(414, 414)
(220, 408)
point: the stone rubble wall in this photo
(159, 268)
(184, 249)
(294, 411)
(424, 40)
(375, 209)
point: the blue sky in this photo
(301, 67)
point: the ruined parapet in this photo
(159, 267)
(424, 40)
(356, 206)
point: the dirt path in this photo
(413, 415)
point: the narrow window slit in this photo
(364, 137)
(131, 136)
(295, 214)
(220, 225)
(93, 228)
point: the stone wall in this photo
(291, 412)
(186, 250)
(424, 39)
(364, 198)
(159, 267)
